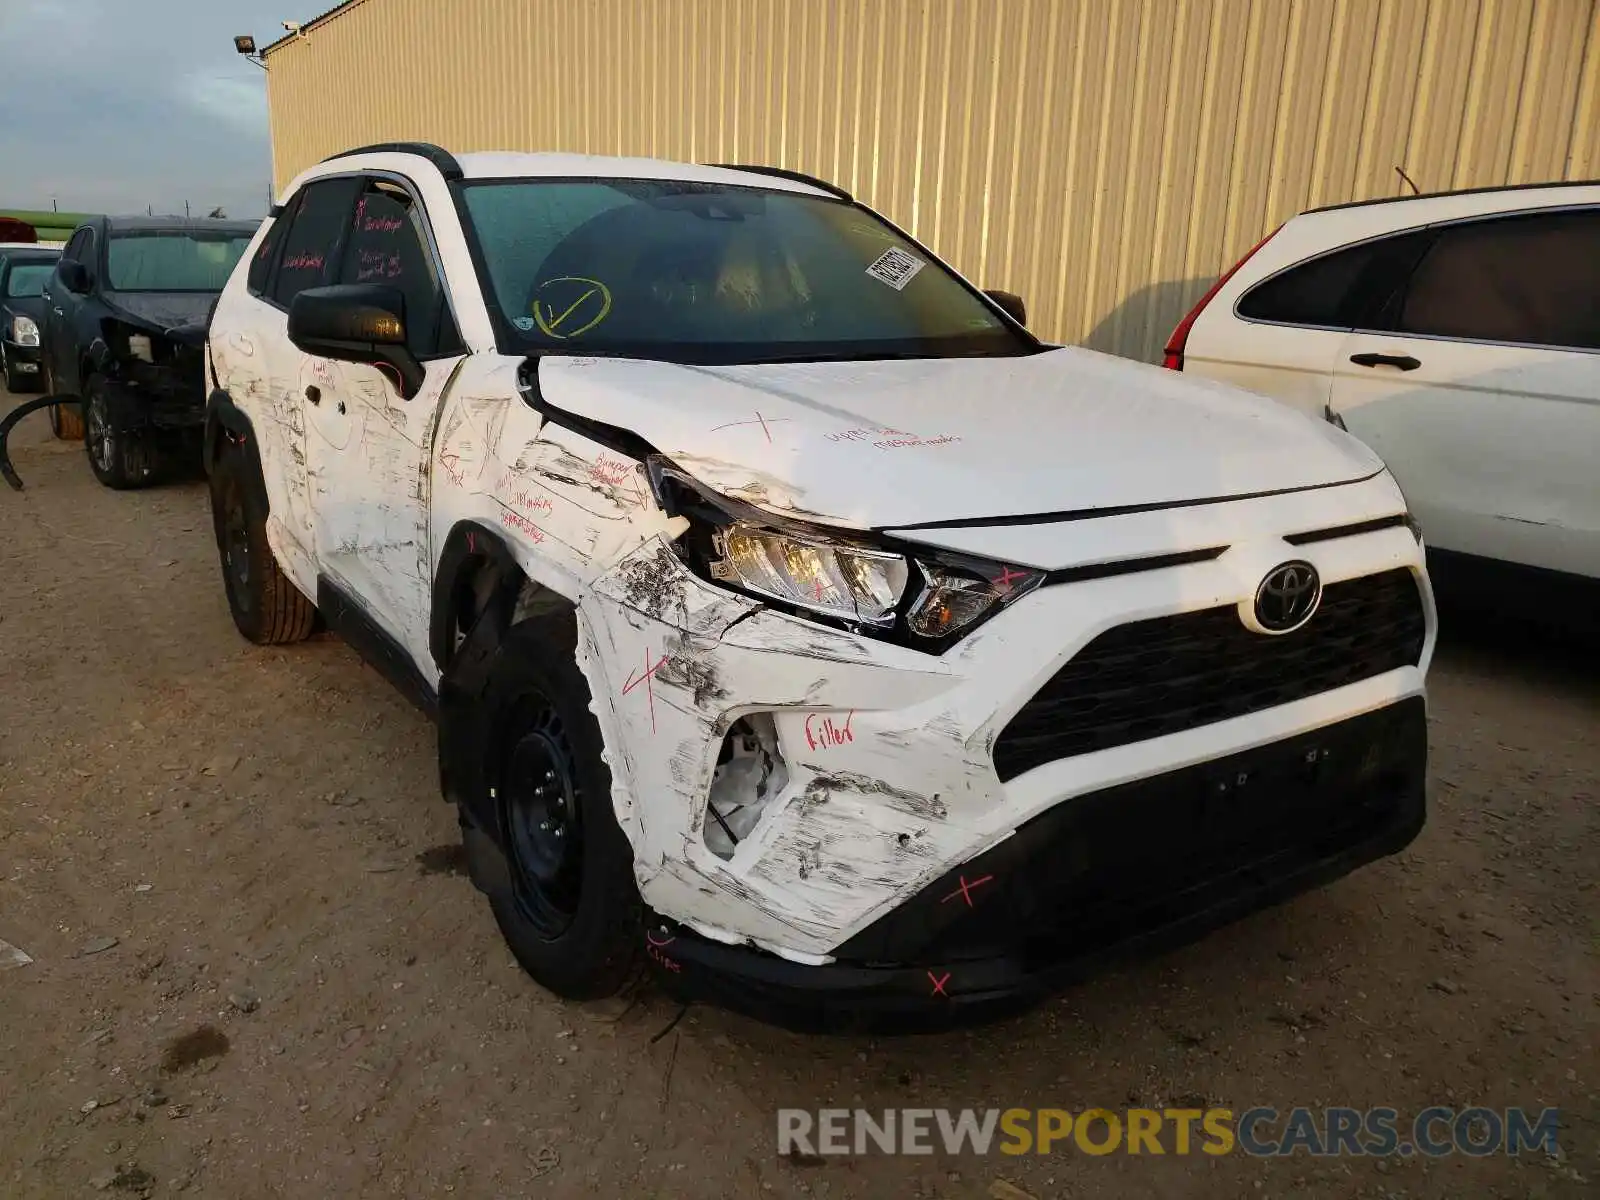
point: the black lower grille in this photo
(1108, 868)
(1151, 678)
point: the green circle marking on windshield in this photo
(569, 305)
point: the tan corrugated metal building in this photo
(1105, 158)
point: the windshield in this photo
(171, 260)
(28, 279)
(694, 272)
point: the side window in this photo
(388, 245)
(311, 246)
(1527, 279)
(260, 273)
(1341, 290)
(74, 248)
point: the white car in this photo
(1458, 335)
(795, 621)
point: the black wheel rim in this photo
(98, 436)
(236, 546)
(541, 811)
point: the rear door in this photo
(267, 376)
(1480, 387)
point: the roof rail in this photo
(439, 157)
(1506, 187)
(795, 176)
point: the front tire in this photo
(266, 606)
(568, 905)
(119, 459)
(66, 420)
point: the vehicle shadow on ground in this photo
(1489, 637)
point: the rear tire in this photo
(569, 907)
(119, 459)
(267, 608)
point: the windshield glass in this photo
(694, 272)
(28, 279)
(170, 260)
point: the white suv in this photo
(795, 621)
(1458, 335)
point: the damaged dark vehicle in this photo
(124, 330)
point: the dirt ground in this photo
(257, 970)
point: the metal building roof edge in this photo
(306, 27)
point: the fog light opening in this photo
(750, 773)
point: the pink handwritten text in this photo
(822, 733)
(610, 471)
(515, 520)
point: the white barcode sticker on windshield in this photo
(895, 267)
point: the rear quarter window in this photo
(1340, 290)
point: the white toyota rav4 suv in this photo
(794, 620)
(1458, 335)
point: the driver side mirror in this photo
(359, 323)
(75, 277)
(1010, 303)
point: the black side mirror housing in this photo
(75, 277)
(1010, 303)
(360, 323)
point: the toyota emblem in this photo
(1288, 596)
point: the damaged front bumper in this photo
(1128, 869)
(907, 789)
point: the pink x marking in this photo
(649, 687)
(966, 889)
(938, 983)
(760, 420)
(1004, 579)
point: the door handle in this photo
(60, 313)
(1404, 361)
(314, 394)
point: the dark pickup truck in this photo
(124, 331)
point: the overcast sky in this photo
(118, 105)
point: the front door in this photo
(367, 447)
(58, 335)
(1484, 400)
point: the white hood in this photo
(880, 444)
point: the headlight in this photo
(24, 332)
(922, 598)
(848, 582)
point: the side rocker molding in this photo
(349, 619)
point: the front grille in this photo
(1151, 678)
